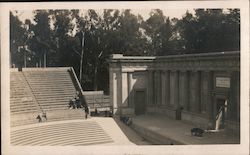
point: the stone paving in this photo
(163, 130)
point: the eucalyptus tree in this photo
(210, 30)
(17, 41)
(159, 29)
(41, 42)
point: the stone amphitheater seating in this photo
(34, 90)
(61, 134)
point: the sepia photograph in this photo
(113, 78)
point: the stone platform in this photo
(165, 131)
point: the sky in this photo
(177, 13)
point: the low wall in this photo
(162, 111)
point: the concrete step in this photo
(25, 104)
(73, 133)
(52, 115)
(19, 111)
(56, 92)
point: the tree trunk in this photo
(95, 77)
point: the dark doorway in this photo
(140, 102)
(220, 114)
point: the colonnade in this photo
(190, 90)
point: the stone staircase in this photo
(60, 134)
(22, 99)
(34, 90)
(53, 89)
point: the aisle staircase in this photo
(36, 90)
(22, 99)
(53, 88)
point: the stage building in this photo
(203, 89)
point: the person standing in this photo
(86, 111)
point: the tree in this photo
(210, 30)
(159, 30)
(17, 41)
(41, 42)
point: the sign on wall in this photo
(223, 82)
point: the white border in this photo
(243, 148)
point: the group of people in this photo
(42, 117)
(77, 102)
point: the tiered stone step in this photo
(53, 115)
(21, 97)
(53, 89)
(73, 134)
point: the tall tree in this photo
(18, 39)
(41, 42)
(159, 29)
(210, 30)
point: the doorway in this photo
(140, 102)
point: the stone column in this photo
(234, 97)
(156, 87)
(159, 89)
(174, 88)
(150, 87)
(183, 89)
(124, 89)
(206, 87)
(194, 92)
(113, 89)
(167, 86)
(210, 85)
(163, 88)
(119, 90)
(130, 90)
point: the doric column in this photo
(194, 91)
(206, 98)
(150, 87)
(174, 88)
(157, 87)
(119, 89)
(113, 89)
(234, 97)
(209, 104)
(130, 90)
(124, 89)
(163, 88)
(167, 86)
(183, 89)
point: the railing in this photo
(94, 99)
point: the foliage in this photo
(60, 36)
